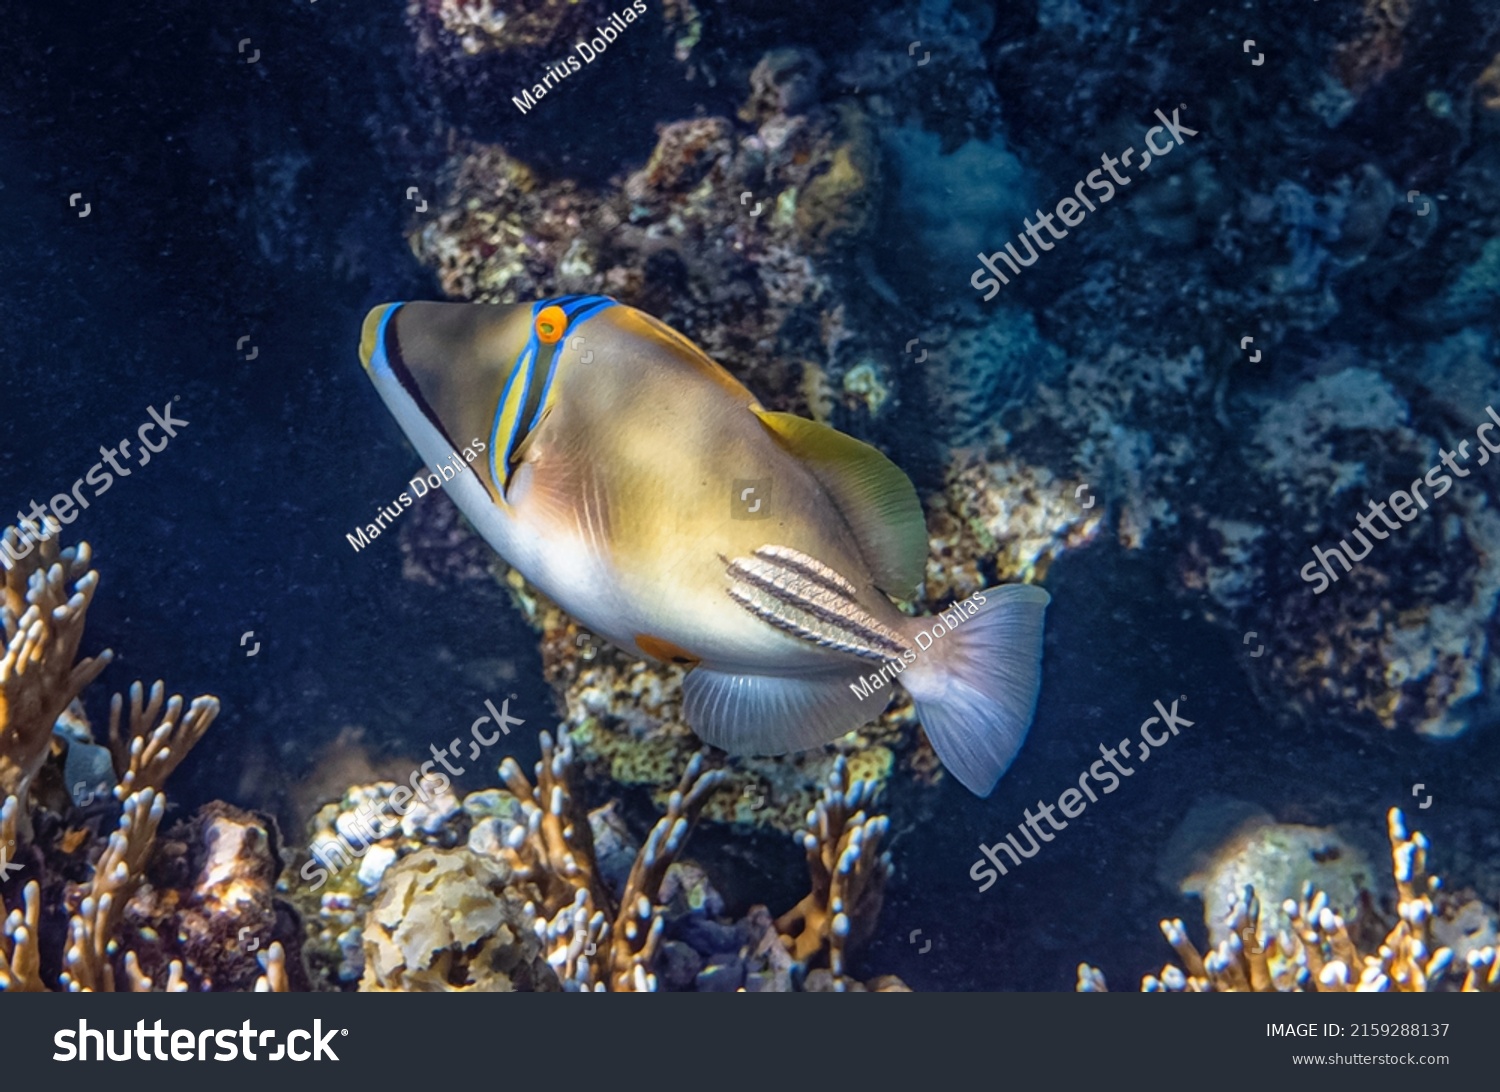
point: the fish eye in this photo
(550, 324)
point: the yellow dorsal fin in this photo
(874, 496)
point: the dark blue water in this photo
(268, 201)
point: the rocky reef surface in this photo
(1232, 391)
(402, 888)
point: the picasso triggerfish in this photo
(646, 491)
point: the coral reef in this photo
(999, 520)
(528, 30)
(1488, 84)
(625, 717)
(540, 895)
(1377, 50)
(1397, 641)
(209, 903)
(1400, 642)
(1224, 846)
(1215, 372)
(448, 920)
(531, 847)
(594, 941)
(1315, 950)
(976, 373)
(40, 675)
(848, 874)
(117, 873)
(671, 238)
(144, 909)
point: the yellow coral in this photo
(848, 874)
(43, 625)
(40, 677)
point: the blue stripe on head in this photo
(521, 373)
(378, 355)
(578, 304)
(592, 307)
(576, 310)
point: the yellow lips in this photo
(369, 331)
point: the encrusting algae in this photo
(1316, 952)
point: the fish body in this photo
(640, 486)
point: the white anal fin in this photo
(770, 715)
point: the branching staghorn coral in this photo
(151, 749)
(1316, 952)
(554, 850)
(638, 926)
(848, 874)
(43, 626)
(20, 956)
(141, 982)
(39, 679)
(87, 964)
(273, 962)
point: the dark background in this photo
(268, 200)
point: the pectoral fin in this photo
(872, 493)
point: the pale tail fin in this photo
(976, 685)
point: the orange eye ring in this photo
(550, 325)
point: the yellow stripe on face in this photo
(370, 331)
(508, 420)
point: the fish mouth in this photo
(369, 335)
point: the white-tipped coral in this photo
(273, 962)
(43, 626)
(44, 598)
(848, 874)
(1315, 952)
(155, 742)
(638, 926)
(140, 982)
(87, 960)
(20, 956)
(553, 848)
